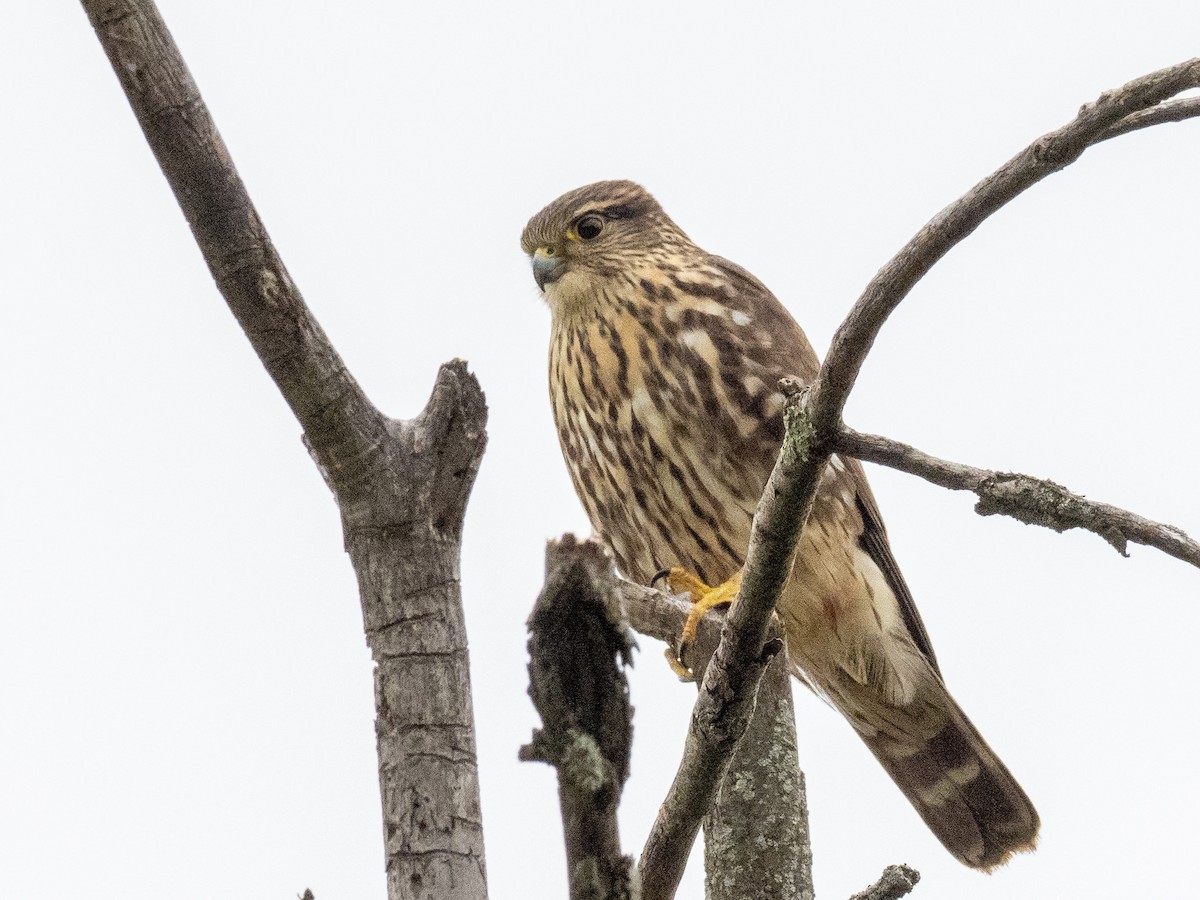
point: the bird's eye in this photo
(589, 227)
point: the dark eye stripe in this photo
(622, 211)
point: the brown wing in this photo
(791, 354)
(924, 741)
(874, 541)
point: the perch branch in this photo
(660, 615)
(579, 646)
(1034, 501)
(813, 423)
(726, 700)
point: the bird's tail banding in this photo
(962, 790)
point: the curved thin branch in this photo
(1172, 111)
(1043, 157)
(1034, 501)
(813, 424)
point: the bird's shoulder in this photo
(782, 343)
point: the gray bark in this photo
(894, 883)
(401, 486)
(756, 840)
(1034, 501)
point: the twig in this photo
(1163, 114)
(895, 882)
(1046, 155)
(660, 615)
(579, 644)
(1034, 501)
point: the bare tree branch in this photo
(895, 882)
(401, 486)
(727, 691)
(813, 424)
(1034, 501)
(579, 644)
(764, 781)
(660, 615)
(1165, 113)
(338, 420)
(1046, 155)
(756, 839)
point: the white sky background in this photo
(184, 687)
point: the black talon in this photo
(659, 577)
(681, 653)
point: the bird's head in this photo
(593, 235)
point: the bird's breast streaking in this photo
(664, 368)
(629, 371)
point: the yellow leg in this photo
(704, 598)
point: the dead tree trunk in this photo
(401, 486)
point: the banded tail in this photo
(962, 790)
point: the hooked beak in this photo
(547, 267)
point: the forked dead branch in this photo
(402, 486)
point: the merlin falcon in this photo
(664, 370)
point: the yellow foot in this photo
(704, 598)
